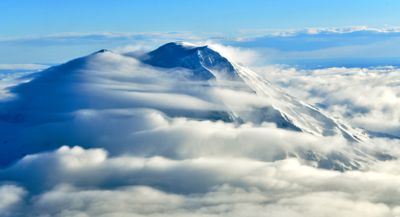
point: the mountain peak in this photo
(102, 51)
(205, 62)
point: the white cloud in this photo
(10, 196)
(239, 55)
(88, 183)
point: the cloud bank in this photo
(86, 182)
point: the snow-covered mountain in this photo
(285, 111)
(177, 79)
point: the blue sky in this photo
(27, 17)
(49, 31)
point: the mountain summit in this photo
(204, 62)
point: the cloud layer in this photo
(109, 136)
(352, 46)
(328, 47)
(79, 182)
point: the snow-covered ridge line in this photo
(308, 118)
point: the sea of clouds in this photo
(366, 97)
(118, 138)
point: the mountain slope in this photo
(306, 117)
(288, 112)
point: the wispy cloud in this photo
(315, 30)
(71, 37)
(23, 67)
